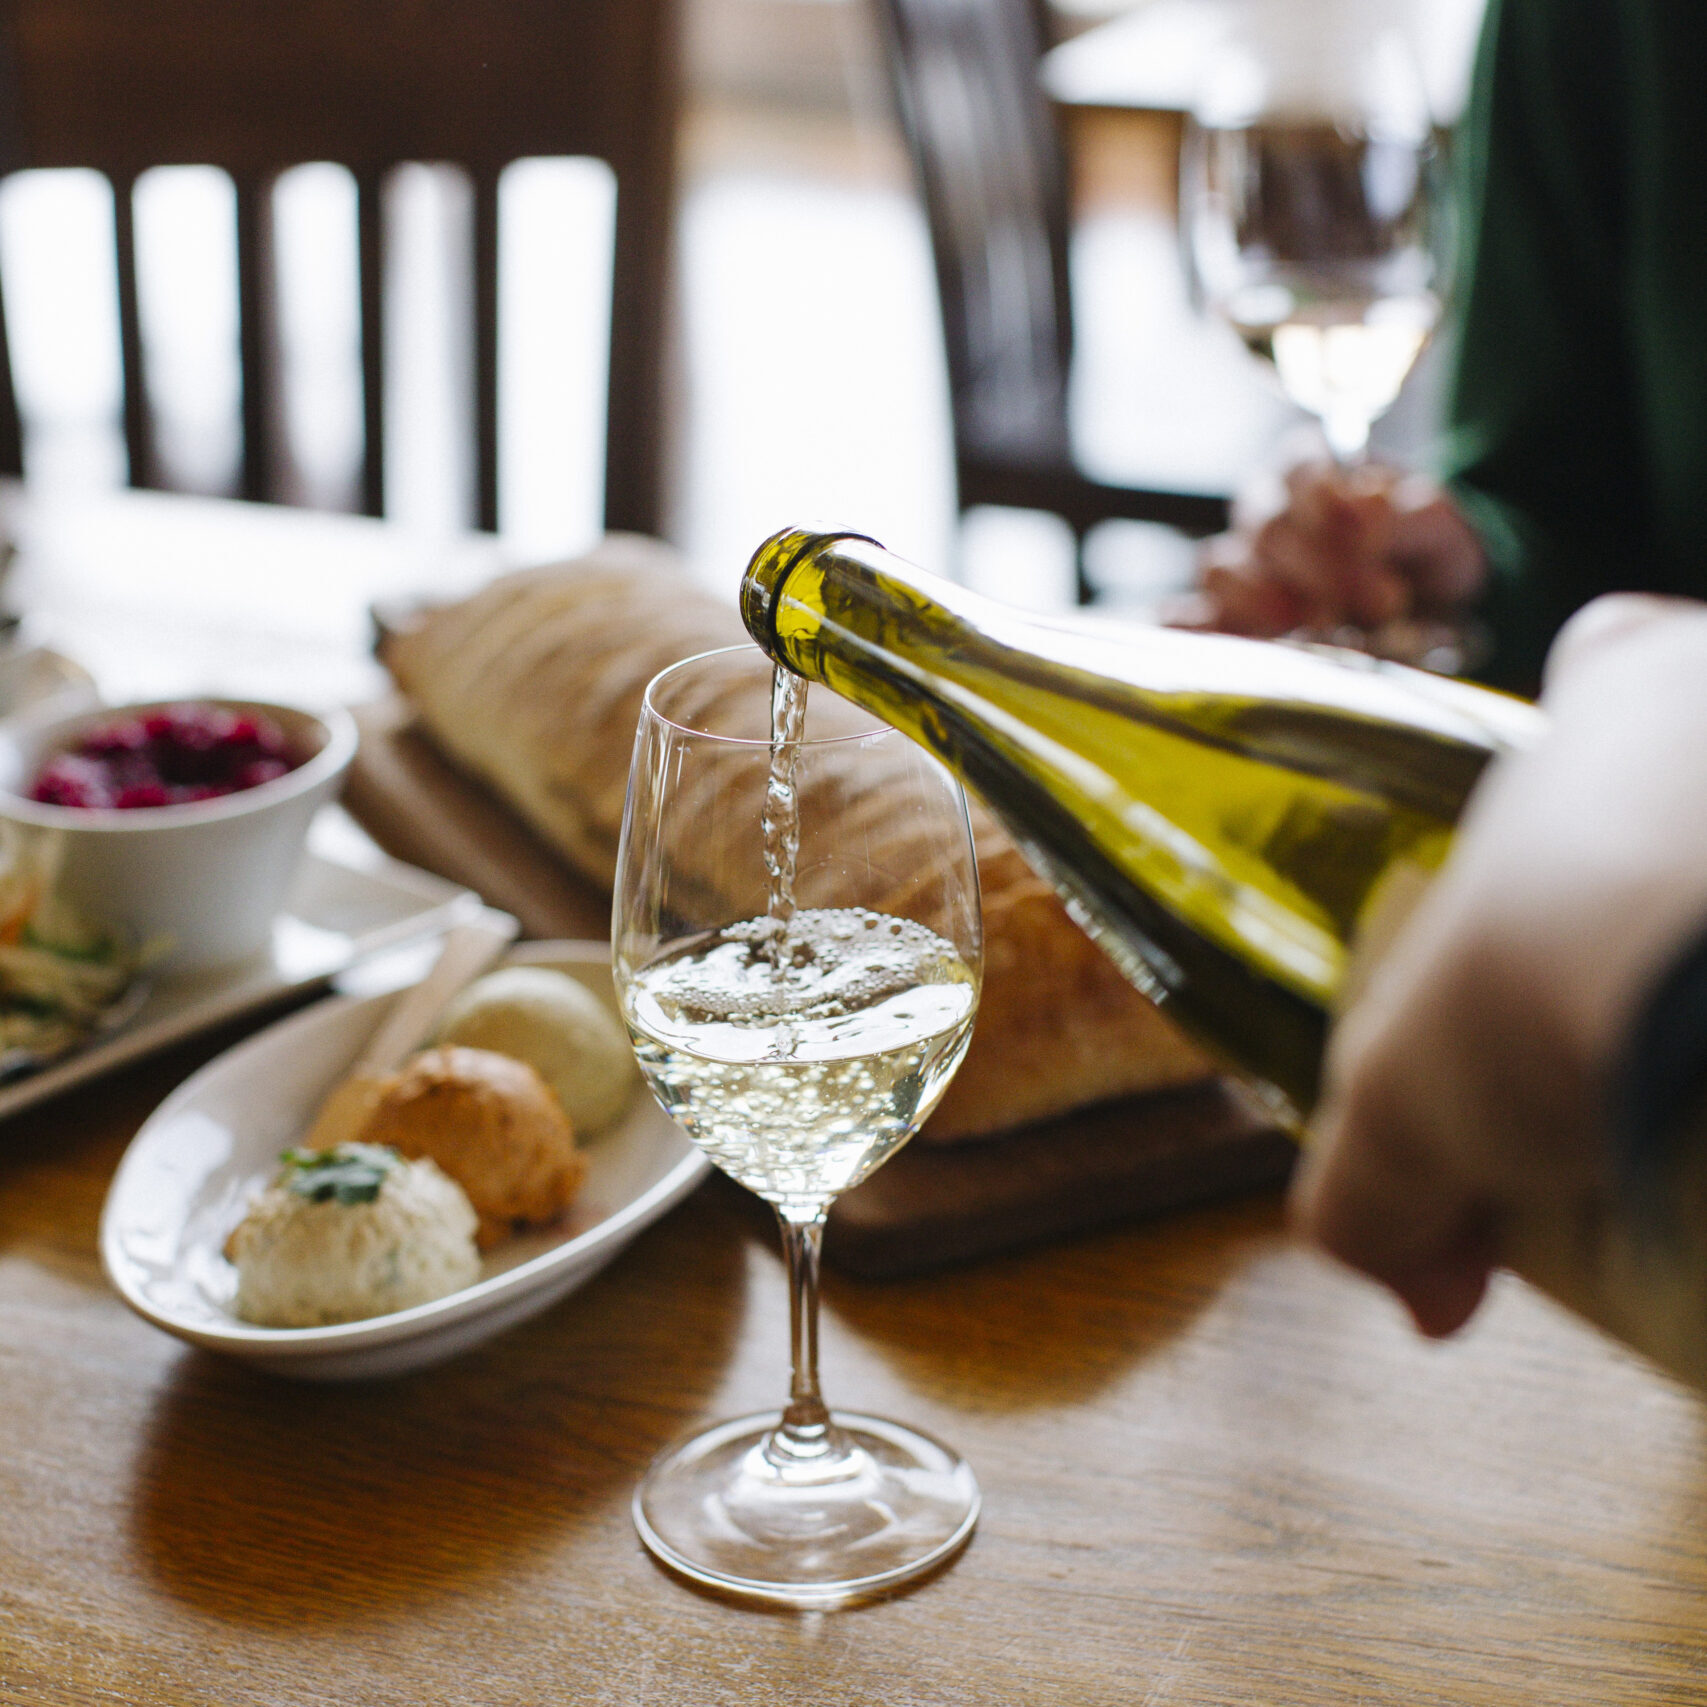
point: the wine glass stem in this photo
(1347, 433)
(805, 1433)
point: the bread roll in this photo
(493, 1124)
(535, 684)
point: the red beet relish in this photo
(168, 757)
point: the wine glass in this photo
(798, 949)
(1314, 222)
(1310, 207)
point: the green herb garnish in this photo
(347, 1173)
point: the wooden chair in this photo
(256, 86)
(988, 156)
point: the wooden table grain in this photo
(1216, 1470)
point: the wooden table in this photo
(1216, 1470)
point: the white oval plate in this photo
(192, 1167)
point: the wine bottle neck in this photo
(768, 572)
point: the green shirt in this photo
(1578, 439)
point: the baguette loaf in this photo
(534, 685)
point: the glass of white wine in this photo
(1310, 206)
(797, 945)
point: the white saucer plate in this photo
(190, 1171)
(336, 915)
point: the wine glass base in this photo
(893, 1505)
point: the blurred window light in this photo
(556, 239)
(186, 286)
(56, 254)
(820, 385)
(1020, 557)
(1137, 567)
(429, 386)
(319, 333)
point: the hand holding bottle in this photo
(1236, 822)
(1465, 1120)
(1328, 548)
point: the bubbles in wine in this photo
(798, 1077)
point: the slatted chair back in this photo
(257, 86)
(988, 156)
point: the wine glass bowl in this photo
(797, 948)
(1311, 215)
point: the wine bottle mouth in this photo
(768, 571)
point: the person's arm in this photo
(1546, 452)
(1475, 1091)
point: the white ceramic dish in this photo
(192, 1167)
(37, 682)
(335, 915)
(204, 880)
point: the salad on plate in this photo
(62, 979)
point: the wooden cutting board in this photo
(932, 1204)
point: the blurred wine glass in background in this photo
(1311, 210)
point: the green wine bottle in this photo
(1224, 816)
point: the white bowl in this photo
(202, 881)
(37, 682)
(193, 1166)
